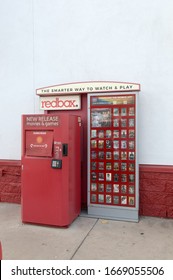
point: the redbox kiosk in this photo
(109, 112)
(51, 164)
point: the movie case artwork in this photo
(101, 144)
(93, 187)
(115, 111)
(131, 200)
(124, 200)
(116, 200)
(124, 133)
(108, 188)
(93, 165)
(108, 165)
(123, 111)
(101, 117)
(101, 188)
(101, 165)
(93, 198)
(108, 199)
(131, 189)
(108, 133)
(116, 134)
(100, 198)
(93, 133)
(93, 144)
(131, 111)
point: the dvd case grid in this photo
(112, 150)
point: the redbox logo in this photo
(60, 103)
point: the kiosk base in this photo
(113, 213)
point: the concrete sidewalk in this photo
(85, 239)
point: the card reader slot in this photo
(65, 150)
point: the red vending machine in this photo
(51, 164)
(113, 164)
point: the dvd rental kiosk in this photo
(51, 178)
(112, 156)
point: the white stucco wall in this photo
(48, 42)
(16, 73)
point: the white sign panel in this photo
(72, 102)
(88, 87)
